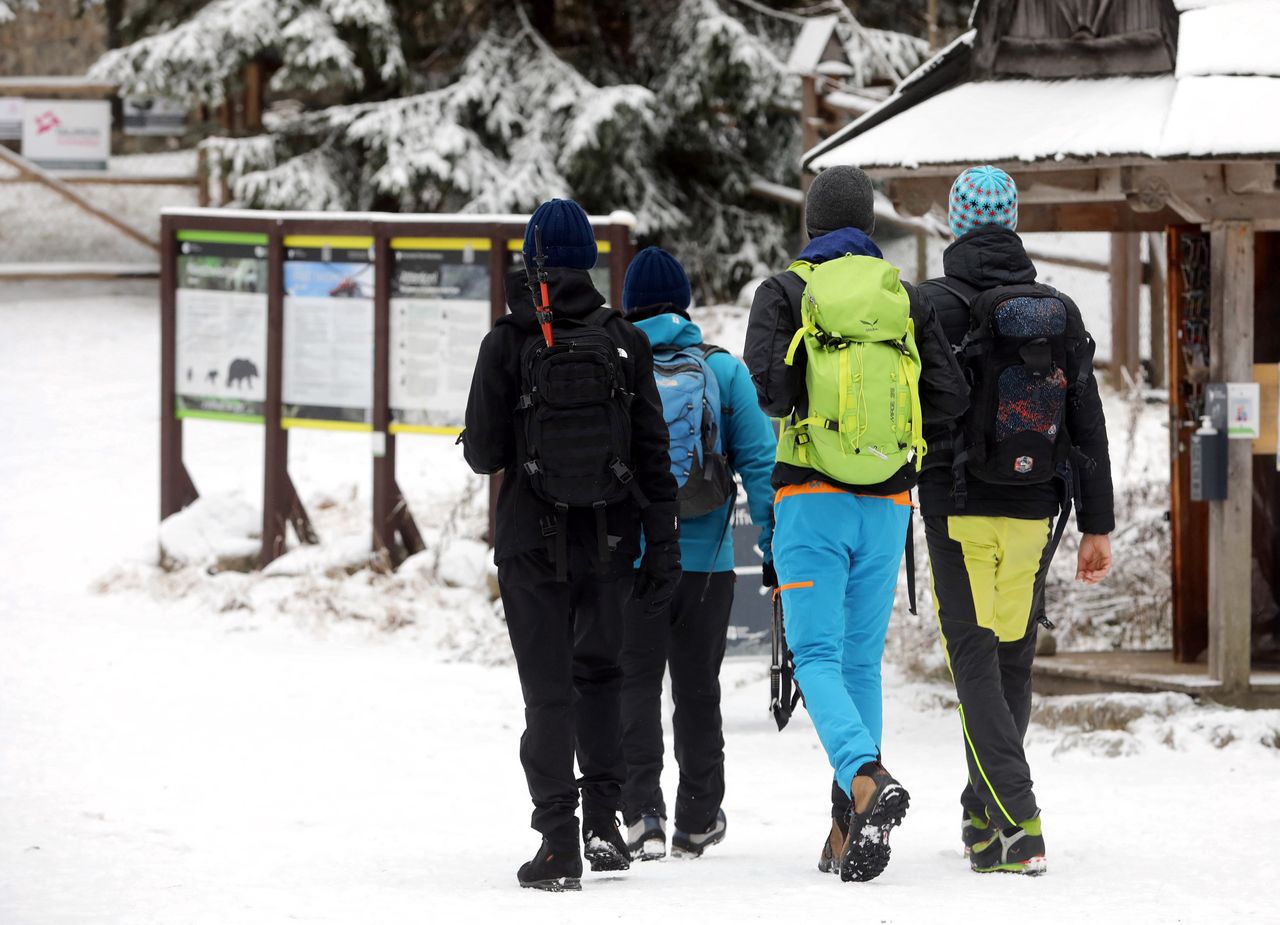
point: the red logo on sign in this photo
(47, 122)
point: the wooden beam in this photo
(1231, 258)
(40, 175)
(106, 179)
(1126, 309)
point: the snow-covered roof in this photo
(614, 218)
(1222, 102)
(1236, 38)
(811, 44)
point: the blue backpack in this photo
(691, 407)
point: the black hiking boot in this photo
(555, 870)
(1016, 850)
(647, 838)
(692, 844)
(866, 846)
(603, 843)
(828, 861)
(975, 829)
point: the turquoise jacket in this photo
(749, 443)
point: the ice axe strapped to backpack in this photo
(576, 418)
(783, 692)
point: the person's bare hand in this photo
(1094, 561)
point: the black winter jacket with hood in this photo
(985, 258)
(494, 437)
(775, 318)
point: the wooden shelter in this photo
(1143, 116)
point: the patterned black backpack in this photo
(1024, 353)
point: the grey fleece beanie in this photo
(840, 197)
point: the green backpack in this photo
(863, 379)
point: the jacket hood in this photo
(670, 330)
(572, 296)
(987, 257)
(838, 243)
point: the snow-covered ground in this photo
(181, 748)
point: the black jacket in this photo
(494, 438)
(775, 318)
(987, 257)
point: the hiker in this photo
(990, 491)
(716, 429)
(856, 363)
(577, 431)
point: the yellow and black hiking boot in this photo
(828, 861)
(1015, 850)
(866, 846)
(974, 830)
(554, 869)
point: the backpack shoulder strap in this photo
(955, 287)
(600, 317)
(709, 350)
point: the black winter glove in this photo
(768, 575)
(657, 577)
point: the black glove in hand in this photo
(768, 575)
(657, 577)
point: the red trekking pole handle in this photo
(543, 311)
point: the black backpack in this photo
(577, 425)
(1025, 351)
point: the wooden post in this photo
(1156, 283)
(1126, 282)
(1231, 256)
(275, 474)
(384, 445)
(499, 261)
(809, 121)
(176, 488)
(931, 13)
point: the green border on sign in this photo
(218, 416)
(222, 237)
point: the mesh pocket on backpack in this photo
(1028, 403)
(1030, 316)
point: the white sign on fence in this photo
(11, 118)
(67, 134)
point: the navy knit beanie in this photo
(655, 278)
(567, 238)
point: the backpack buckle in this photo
(533, 467)
(548, 526)
(620, 470)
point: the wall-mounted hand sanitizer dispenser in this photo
(1209, 448)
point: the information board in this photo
(221, 318)
(328, 332)
(67, 134)
(440, 312)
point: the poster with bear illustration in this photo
(221, 309)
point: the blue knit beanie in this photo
(655, 278)
(567, 238)
(982, 196)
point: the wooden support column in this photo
(810, 119)
(1126, 305)
(1231, 257)
(1157, 283)
(384, 442)
(276, 489)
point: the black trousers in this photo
(690, 637)
(567, 637)
(989, 576)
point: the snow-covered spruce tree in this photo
(669, 108)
